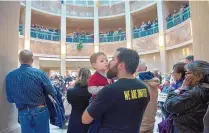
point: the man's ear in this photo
(121, 65)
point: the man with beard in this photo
(120, 105)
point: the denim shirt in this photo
(27, 86)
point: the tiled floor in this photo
(54, 129)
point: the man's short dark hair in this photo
(130, 58)
(190, 58)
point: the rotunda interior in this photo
(63, 34)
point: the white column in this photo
(96, 26)
(162, 27)
(63, 40)
(128, 24)
(9, 23)
(36, 62)
(200, 19)
(27, 25)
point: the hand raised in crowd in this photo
(187, 81)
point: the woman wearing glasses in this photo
(189, 102)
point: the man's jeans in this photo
(34, 120)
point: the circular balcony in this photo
(177, 36)
(85, 9)
(145, 40)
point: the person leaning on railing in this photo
(177, 18)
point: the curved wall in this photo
(53, 7)
(139, 5)
(176, 55)
(80, 11)
(116, 9)
(179, 34)
(109, 48)
(87, 12)
(152, 61)
(45, 47)
(87, 50)
(148, 44)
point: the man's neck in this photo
(26, 64)
(126, 76)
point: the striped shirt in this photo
(27, 86)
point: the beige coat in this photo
(148, 120)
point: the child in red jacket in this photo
(97, 81)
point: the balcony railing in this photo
(112, 37)
(55, 36)
(142, 33)
(51, 36)
(84, 39)
(21, 29)
(178, 18)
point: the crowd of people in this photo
(80, 37)
(121, 96)
(41, 32)
(176, 18)
(146, 29)
(111, 36)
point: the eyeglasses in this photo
(187, 73)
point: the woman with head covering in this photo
(189, 104)
(79, 97)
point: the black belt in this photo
(29, 107)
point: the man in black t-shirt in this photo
(120, 105)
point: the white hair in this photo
(142, 65)
(25, 56)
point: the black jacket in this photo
(206, 122)
(189, 109)
(78, 97)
